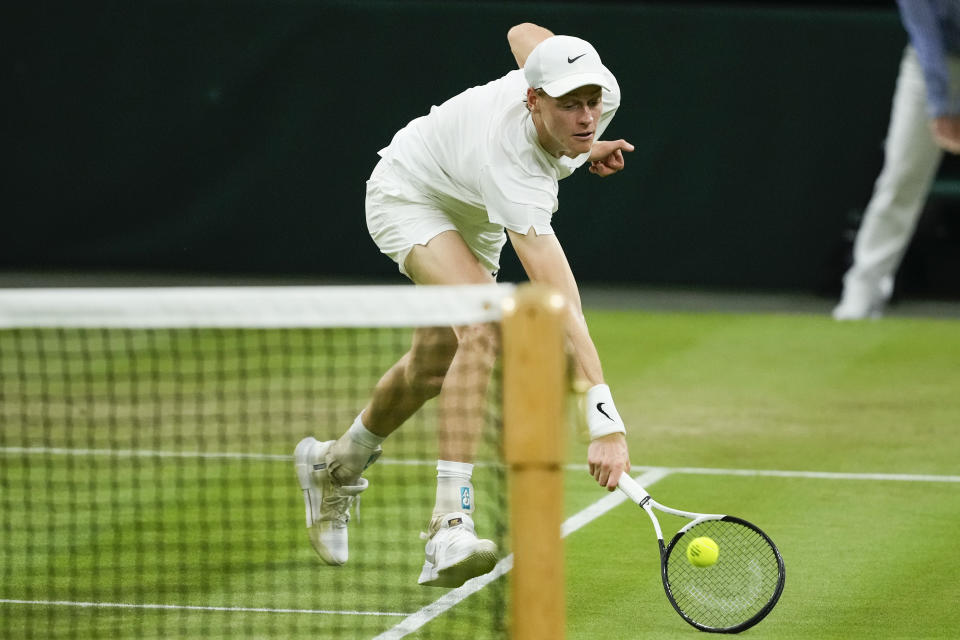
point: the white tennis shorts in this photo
(399, 217)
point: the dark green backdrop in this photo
(235, 136)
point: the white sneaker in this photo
(327, 503)
(858, 309)
(455, 554)
(862, 302)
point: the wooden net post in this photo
(534, 383)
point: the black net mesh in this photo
(147, 488)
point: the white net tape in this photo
(261, 307)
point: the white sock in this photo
(454, 489)
(363, 436)
(353, 452)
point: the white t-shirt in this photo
(478, 155)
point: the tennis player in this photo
(439, 202)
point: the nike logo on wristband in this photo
(600, 409)
(571, 61)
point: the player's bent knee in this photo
(427, 363)
(424, 383)
(425, 375)
(429, 359)
(479, 338)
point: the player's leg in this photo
(911, 158)
(456, 363)
(447, 259)
(330, 472)
(419, 237)
(414, 379)
(458, 358)
(454, 553)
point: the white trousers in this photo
(911, 159)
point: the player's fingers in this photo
(626, 146)
(603, 477)
(601, 474)
(613, 480)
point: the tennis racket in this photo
(734, 593)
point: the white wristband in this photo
(602, 416)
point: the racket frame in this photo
(639, 495)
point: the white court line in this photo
(154, 453)
(824, 475)
(610, 501)
(141, 453)
(160, 453)
(124, 605)
(418, 619)
(452, 598)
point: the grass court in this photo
(840, 440)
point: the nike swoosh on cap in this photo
(572, 60)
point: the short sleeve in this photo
(517, 199)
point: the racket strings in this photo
(737, 587)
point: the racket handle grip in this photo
(632, 488)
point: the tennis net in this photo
(147, 486)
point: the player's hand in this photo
(608, 458)
(606, 156)
(946, 133)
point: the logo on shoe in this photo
(373, 458)
(466, 501)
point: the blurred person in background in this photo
(924, 122)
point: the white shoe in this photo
(455, 554)
(862, 302)
(327, 503)
(857, 309)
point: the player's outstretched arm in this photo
(606, 156)
(544, 261)
(523, 38)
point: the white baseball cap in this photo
(561, 64)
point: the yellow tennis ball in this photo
(703, 552)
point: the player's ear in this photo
(532, 100)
